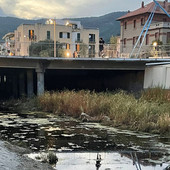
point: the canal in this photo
(77, 143)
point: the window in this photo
(74, 26)
(134, 40)
(31, 34)
(164, 20)
(137, 38)
(60, 35)
(168, 37)
(91, 38)
(91, 50)
(48, 35)
(77, 47)
(141, 38)
(156, 36)
(158, 8)
(134, 24)
(147, 39)
(68, 35)
(67, 46)
(64, 35)
(142, 21)
(78, 37)
(124, 42)
(19, 36)
(125, 25)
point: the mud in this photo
(12, 158)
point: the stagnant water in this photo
(77, 143)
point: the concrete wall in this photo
(157, 76)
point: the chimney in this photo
(142, 4)
(165, 3)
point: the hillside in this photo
(107, 24)
(9, 24)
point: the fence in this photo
(82, 50)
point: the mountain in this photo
(9, 24)
(107, 24)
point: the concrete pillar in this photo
(40, 78)
(30, 84)
(40, 83)
(22, 84)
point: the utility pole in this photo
(54, 21)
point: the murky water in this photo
(77, 144)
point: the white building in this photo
(71, 34)
(157, 75)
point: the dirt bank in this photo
(12, 158)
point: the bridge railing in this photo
(82, 50)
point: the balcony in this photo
(78, 41)
(160, 25)
(92, 41)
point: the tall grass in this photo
(149, 113)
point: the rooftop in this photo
(148, 9)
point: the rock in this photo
(106, 119)
(85, 117)
(52, 158)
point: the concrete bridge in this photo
(32, 75)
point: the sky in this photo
(35, 9)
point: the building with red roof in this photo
(132, 24)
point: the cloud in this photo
(65, 8)
(34, 9)
(2, 13)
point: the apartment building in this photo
(8, 47)
(133, 22)
(69, 34)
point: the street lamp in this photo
(53, 21)
(155, 44)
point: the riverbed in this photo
(77, 143)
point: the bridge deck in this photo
(78, 63)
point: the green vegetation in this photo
(45, 49)
(149, 113)
(113, 40)
(83, 50)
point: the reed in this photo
(149, 113)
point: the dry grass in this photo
(157, 94)
(150, 113)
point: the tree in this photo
(112, 48)
(83, 49)
(45, 49)
(113, 40)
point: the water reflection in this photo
(87, 161)
(42, 134)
